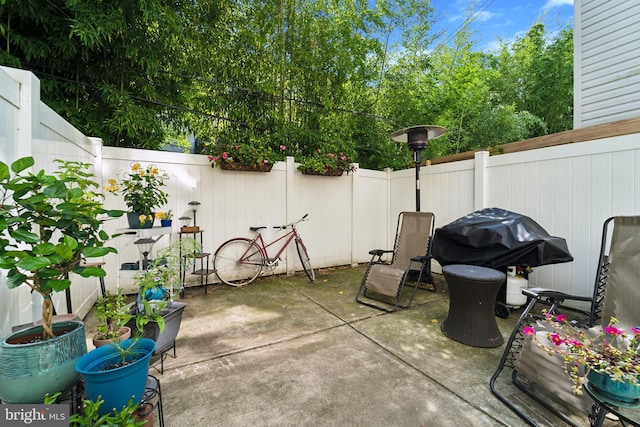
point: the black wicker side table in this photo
(472, 298)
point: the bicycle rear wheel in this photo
(304, 259)
(237, 262)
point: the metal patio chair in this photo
(410, 264)
(616, 293)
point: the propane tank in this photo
(515, 285)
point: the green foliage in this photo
(252, 154)
(126, 417)
(49, 225)
(110, 309)
(142, 189)
(301, 74)
(324, 163)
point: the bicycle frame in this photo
(259, 240)
(238, 261)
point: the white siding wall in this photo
(607, 61)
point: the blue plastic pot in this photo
(116, 386)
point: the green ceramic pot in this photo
(29, 371)
(625, 393)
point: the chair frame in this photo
(553, 300)
(424, 262)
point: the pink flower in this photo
(556, 339)
(635, 330)
(528, 330)
(282, 147)
(612, 330)
(331, 155)
(215, 158)
(561, 317)
(225, 155)
(574, 343)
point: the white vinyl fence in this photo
(570, 190)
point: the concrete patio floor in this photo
(286, 352)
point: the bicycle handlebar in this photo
(291, 224)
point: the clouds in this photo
(493, 21)
(557, 3)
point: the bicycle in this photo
(238, 261)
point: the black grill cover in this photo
(497, 238)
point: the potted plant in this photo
(111, 310)
(49, 225)
(132, 415)
(606, 359)
(328, 163)
(141, 188)
(156, 315)
(254, 156)
(116, 372)
(165, 218)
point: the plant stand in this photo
(153, 398)
(203, 272)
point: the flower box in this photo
(335, 172)
(233, 166)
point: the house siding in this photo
(607, 61)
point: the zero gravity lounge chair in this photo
(384, 282)
(540, 376)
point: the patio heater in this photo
(417, 138)
(144, 246)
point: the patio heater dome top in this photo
(417, 137)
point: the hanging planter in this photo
(328, 172)
(326, 164)
(233, 166)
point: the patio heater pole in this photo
(417, 138)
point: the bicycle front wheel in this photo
(237, 262)
(304, 259)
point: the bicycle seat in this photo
(256, 229)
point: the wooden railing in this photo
(607, 130)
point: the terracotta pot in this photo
(123, 334)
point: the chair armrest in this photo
(379, 252)
(550, 294)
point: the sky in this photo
(493, 20)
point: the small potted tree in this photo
(49, 226)
(111, 311)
